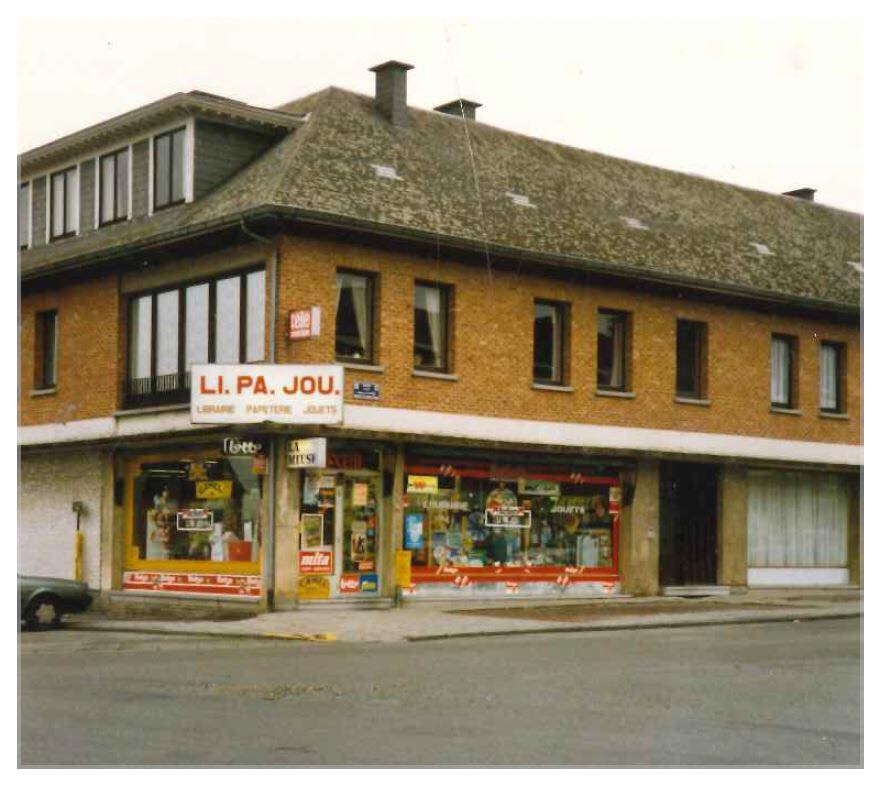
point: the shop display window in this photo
(476, 522)
(198, 510)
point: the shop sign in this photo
(213, 489)
(422, 483)
(307, 454)
(345, 460)
(233, 445)
(195, 520)
(310, 394)
(366, 391)
(313, 587)
(538, 487)
(190, 583)
(316, 562)
(304, 323)
(349, 583)
(369, 583)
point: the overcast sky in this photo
(772, 104)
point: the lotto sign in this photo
(230, 394)
(349, 584)
(304, 323)
(316, 562)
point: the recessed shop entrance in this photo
(688, 524)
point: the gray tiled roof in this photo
(456, 181)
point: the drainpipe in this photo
(269, 549)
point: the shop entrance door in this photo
(688, 524)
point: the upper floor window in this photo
(46, 350)
(831, 370)
(612, 349)
(217, 321)
(113, 189)
(354, 317)
(549, 342)
(63, 204)
(783, 358)
(168, 169)
(24, 215)
(691, 359)
(431, 323)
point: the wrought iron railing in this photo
(155, 390)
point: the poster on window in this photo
(312, 530)
(414, 531)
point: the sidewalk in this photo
(430, 621)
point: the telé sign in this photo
(267, 393)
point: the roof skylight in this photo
(386, 172)
(520, 200)
(634, 223)
(763, 250)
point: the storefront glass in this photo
(197, 510)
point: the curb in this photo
(319, 637)
(642, 625)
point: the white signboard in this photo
(307, 454)
(266, 393)
(305, 323)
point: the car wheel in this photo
(43, 613)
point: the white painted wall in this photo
(48, 486)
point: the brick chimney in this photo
(806, 194)
(391, 91)
(460, 107)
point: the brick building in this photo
(564, 374)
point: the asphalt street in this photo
(740, 695)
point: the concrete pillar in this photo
(286, 532)
(733, 526)
(640, 534)
(854, 529)
(392, 534)
(113, 523)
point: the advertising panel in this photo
(316, 562)
(229, 394)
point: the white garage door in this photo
(797, 529)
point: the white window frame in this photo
(30, 209)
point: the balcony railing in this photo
(155, 390)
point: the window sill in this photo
(780, 410)
(552, 387)
(615, 394)
(44, 391)
(834, 415)
(171, 407)
(447, 377)
(692, 401)
(363, 367)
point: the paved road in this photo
(761, 694)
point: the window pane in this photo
(162, 175)
(140, 331)
(71, 202)
(780, 370)
(611, 346)
(122, 184)
(687, 376)
(353, 316)
(50, 327)
(167, 332)
(24, 214)
(177, 149)
(829, 370)
(548, 336)
(108, 189)
(228, 320)
(255, 345)
(196, 325)
(57, 205)
(429, 343)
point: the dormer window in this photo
(168, 169)
(113, 193)
(63, 204)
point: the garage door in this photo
(797, 525)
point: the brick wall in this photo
(492, 337)
(89, 352)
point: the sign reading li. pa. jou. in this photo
(267, 393)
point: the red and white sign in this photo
(305, 323)
(315, 562)
(191, 583)
(231, 394)
(349, 583)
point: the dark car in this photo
(43, 601)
